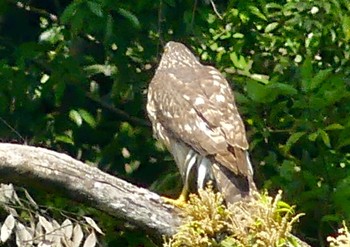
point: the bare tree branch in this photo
(28, 166)
(33, 166)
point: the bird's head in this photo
(176, 55)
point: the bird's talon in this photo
(180, 202)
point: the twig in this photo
(215, 10)
(119, 112)
(13, 130)
(194, 12)
(32, 9)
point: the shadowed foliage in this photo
(74, 76)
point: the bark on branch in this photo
(32, 166)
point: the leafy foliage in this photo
(291, 61)
(74, 73)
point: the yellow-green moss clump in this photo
(261, 221)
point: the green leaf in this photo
(109, 28)
(343, 143)
(77, 22)
(270, 27)
(257, 91)
(95, 8)
(313, 136)
(325, 137)
(261, 78)
(238, 35)
(273, 6)
(52, 35)
(287, 170)
(69, 12)
(292, 140)
(64, 139)
(319, 78)
(282, 89)
(60, 88)
(346, 27)
(130, 16)
(239, 61)
(255, 11)
(239, 97)
(330, 218)
(106, 69)
(75, 117)
(306, 74)
(334, 126)
(87, 117)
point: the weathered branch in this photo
(26, 166)
(33, 166)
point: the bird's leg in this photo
(180, 202)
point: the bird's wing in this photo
(197, 107)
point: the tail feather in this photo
(232, 186)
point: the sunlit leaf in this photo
(76, 117)
(93, 224)
(270, 27)
(325, 138)
(64, 139)
(313, 136)
(7, 228)
(293, 139)
(239, 61)
(273, 6)
(334, 126)
(77, 235)
(254, 10)
(67, 228)
(261, 78)
(87, 117)
(90, 240)
(23, 235)
(105, 69)
(52, 35)
(46, 224)
(346, 27)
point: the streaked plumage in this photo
(192, 110)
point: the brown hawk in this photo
(192, 110)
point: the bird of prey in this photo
(193, 113)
